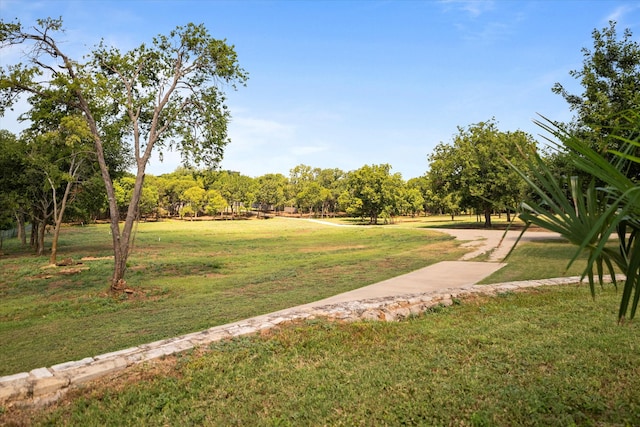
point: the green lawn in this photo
(550, 356)
(539, 260)
(189, 276)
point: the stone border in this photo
(43, 386)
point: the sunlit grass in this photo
(189, 276)
(434, 221)
(550, 356)
(540, 260)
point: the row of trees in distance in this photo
(96, 118)
(49, 179)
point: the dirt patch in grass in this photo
(72, 270)
(213, 275)
(95, 258)
(130, 293)
(53, 271)
(332, 248)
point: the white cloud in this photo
(619, 13)
(474, 8)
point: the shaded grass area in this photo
(189, 276)
(499, 222)
(550, 356)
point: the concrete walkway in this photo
(495, 242)
(446, 274)
(440, 276)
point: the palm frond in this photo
(591, 215)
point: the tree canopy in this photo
(162, 95)
(371, 191)
(610, 80)
(471, 172)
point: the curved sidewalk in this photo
(436, 277)
(495, 242)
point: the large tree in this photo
(474, 168)
(372, 191)
(610, 81)
(270, 191)
(165, 95)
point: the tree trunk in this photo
(123, 245)
(487, 217)
(58, 222)
(42, 226)
(22, 234)
(34, 233)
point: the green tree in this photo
(71, 142)
(167, 94)
(473, 167)
(149, 198)
(444, 180)
(371, 191)
(237, 189)
(412, 201)
(304, 191)
(52, 162)
(90, 202)
(421, 185)
(270, 191)
(610, 78)
(196, 197)
(215, 203)
(333, 184)
(171, 187)
(13, 183)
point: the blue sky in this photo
(348, 83)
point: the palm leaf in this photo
(591, 215)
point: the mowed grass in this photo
(498, 222)
(549, 356)
(188, 276)
(540, 260)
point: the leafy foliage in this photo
(610, 78)
(470, 172)
(371, 191)
(165, 95)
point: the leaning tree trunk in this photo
(122, 245)
(59, 215)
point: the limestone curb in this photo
(45, 385)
